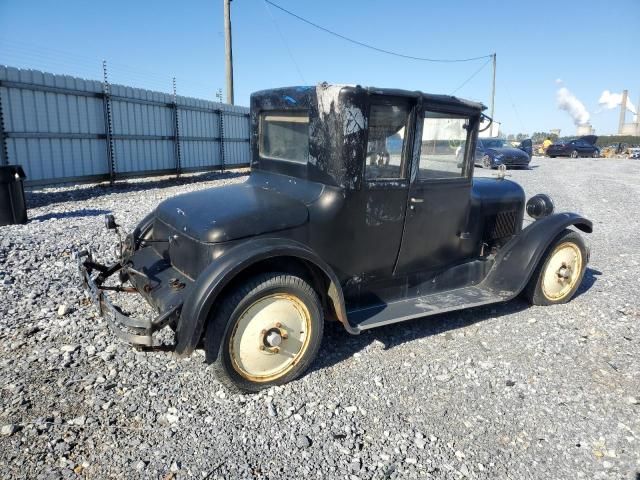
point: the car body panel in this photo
(235, 211)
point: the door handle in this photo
(416, 200)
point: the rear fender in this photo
(198, 306)
(517, 260)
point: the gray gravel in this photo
(507, 391)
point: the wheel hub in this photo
(262, 348)
(562, 271)
(273, 338)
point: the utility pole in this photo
(493, 87)
(227, 48)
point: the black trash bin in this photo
(13, 208)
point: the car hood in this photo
(231, 212)
(508, 151)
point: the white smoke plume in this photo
(612, 100)
(574, 107)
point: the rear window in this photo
(284, 136)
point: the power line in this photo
(473, 74)
(284, 41)
(371, 47)
(515, 109)
(31, 55)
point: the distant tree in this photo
(539, 137)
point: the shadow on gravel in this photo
(340, 346)
(85, 212)
(590, 278)
(49, 195)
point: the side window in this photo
(387, 135)
(444, 136)
(284, 136)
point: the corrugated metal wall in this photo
(56, 127)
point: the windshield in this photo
(494, 143)
(284, 136)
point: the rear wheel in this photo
(560, 272)
(574, 154)
(272, 327)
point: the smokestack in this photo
(623, 110)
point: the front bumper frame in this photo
(136, 331)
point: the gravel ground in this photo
(506, 391)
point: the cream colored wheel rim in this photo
(270, 337)
(562, 271)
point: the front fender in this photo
(517, 260)
(222, 270)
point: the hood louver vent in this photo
(500, 226)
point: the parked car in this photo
(579, 147)
(346, 215)
(634, 153)
(493, 152)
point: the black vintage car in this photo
(579, 147)
(355, 210)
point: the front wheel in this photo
(560, 272)
(272, 327)
(486, 162)
(574, 154)
(596, 154)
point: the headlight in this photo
(539, 206)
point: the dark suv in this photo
(356, 210)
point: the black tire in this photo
(225, 322)
(574, 154)
(552, 156)
(534, 290)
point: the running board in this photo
(424, 306)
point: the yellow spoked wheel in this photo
(270, 337)
(560, 272)
(266, 332)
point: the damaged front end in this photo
(148, 273)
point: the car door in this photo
(435, 231)
(572, 146)
(526, 146)
(376, 211)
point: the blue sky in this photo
(591, 46)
